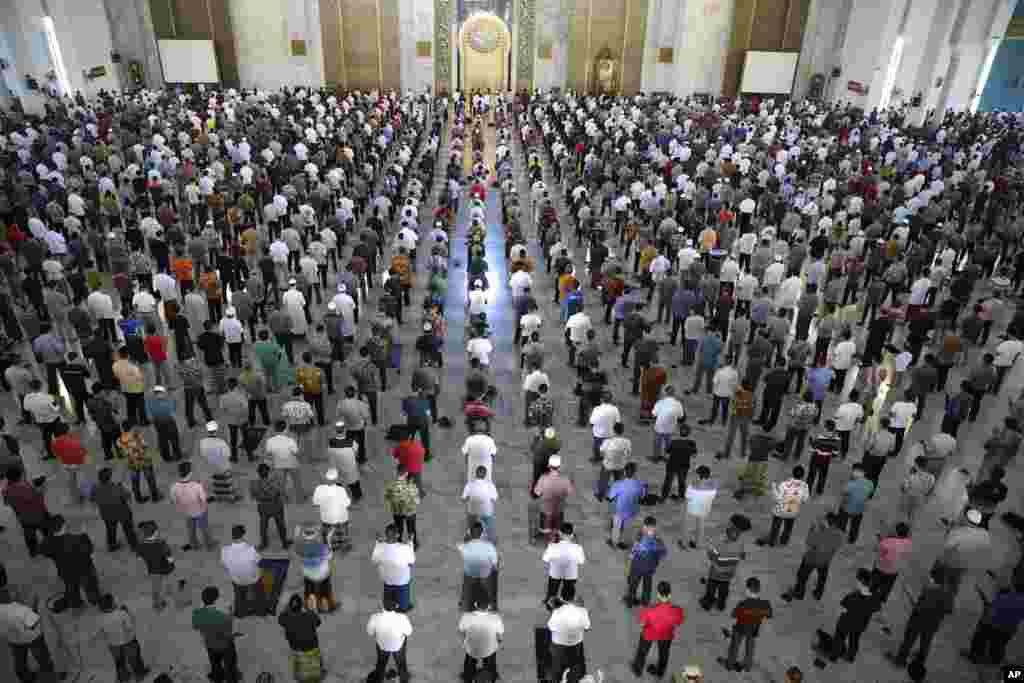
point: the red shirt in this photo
(410, 453)
(68, 448)
(156, 348)
(660, 621)
(27, 501)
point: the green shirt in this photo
(267, 353)
(215, 626)
(402, 496)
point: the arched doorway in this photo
(484, 42)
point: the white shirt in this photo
(480, 348)
(519, 281)
(481, 632)
(144, 302)
(919, 291)
(389, 629)
(100, 305)
(603, 420)
(567, 625)
(166, 285)
(578, 324)
(282, 450)
(242, 562)
(564, 559)
(901, 413)
(232, 330)
(480, 495)
(477, 302)
(1007, 352)
(534, 380)
(667, 412)
(479, 450)
(847, 415)
(843, 353)
(724, 382)
(333, 502)
(393, 561)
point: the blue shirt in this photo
(818, 380)
(158, 408)
(683, 301)
(710, 350)
(416, 408)
(1007, 610)
(646, 554)
(857, 492)
(625, 496)
(479, 559)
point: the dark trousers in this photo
(677, 476)
(845, 643)
(565, 657)
(976, 397)
(32, 532)
(854, 521)
(317, 401)
(471, 665)
(644, 647)
(84, 579)
(804, 573)
(328, 370)
(922, 629)
(359, 436)
(566, 588)
(770, 414)
(40, 652)
(128, 661)
(817, 473)
(194, 395)
(786, 525)
(149, 473)
(371, 400)
(224, 665)
(989, 642)
(278, 518)
(248, 600)
(406, 523)
(715, 593)
(168, 439)
(235, 354)
(127, 525)
(881, 585)
(260, 403)
(135, 407)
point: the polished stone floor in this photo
(434, 649)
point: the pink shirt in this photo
(190, 498)
(893, 552)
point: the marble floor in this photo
(434, 652)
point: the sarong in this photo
(308, 667)
(224, 487)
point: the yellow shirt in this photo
(646, 256)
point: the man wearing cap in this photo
(333, 501)
(343, 455)
(348, 309)
(552, 489)
(217, 454)
(234, 334)
(294, 304)
(968, 547)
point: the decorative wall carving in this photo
(443, 40)
(526, 20)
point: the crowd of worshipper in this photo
(816, 263)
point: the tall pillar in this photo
(444, 67)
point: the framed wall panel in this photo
(331, 40)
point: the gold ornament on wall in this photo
(666, 55)
(298, 48)
(423, 48)
(545, 50)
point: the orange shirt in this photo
(211, 285)
(182, 268)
